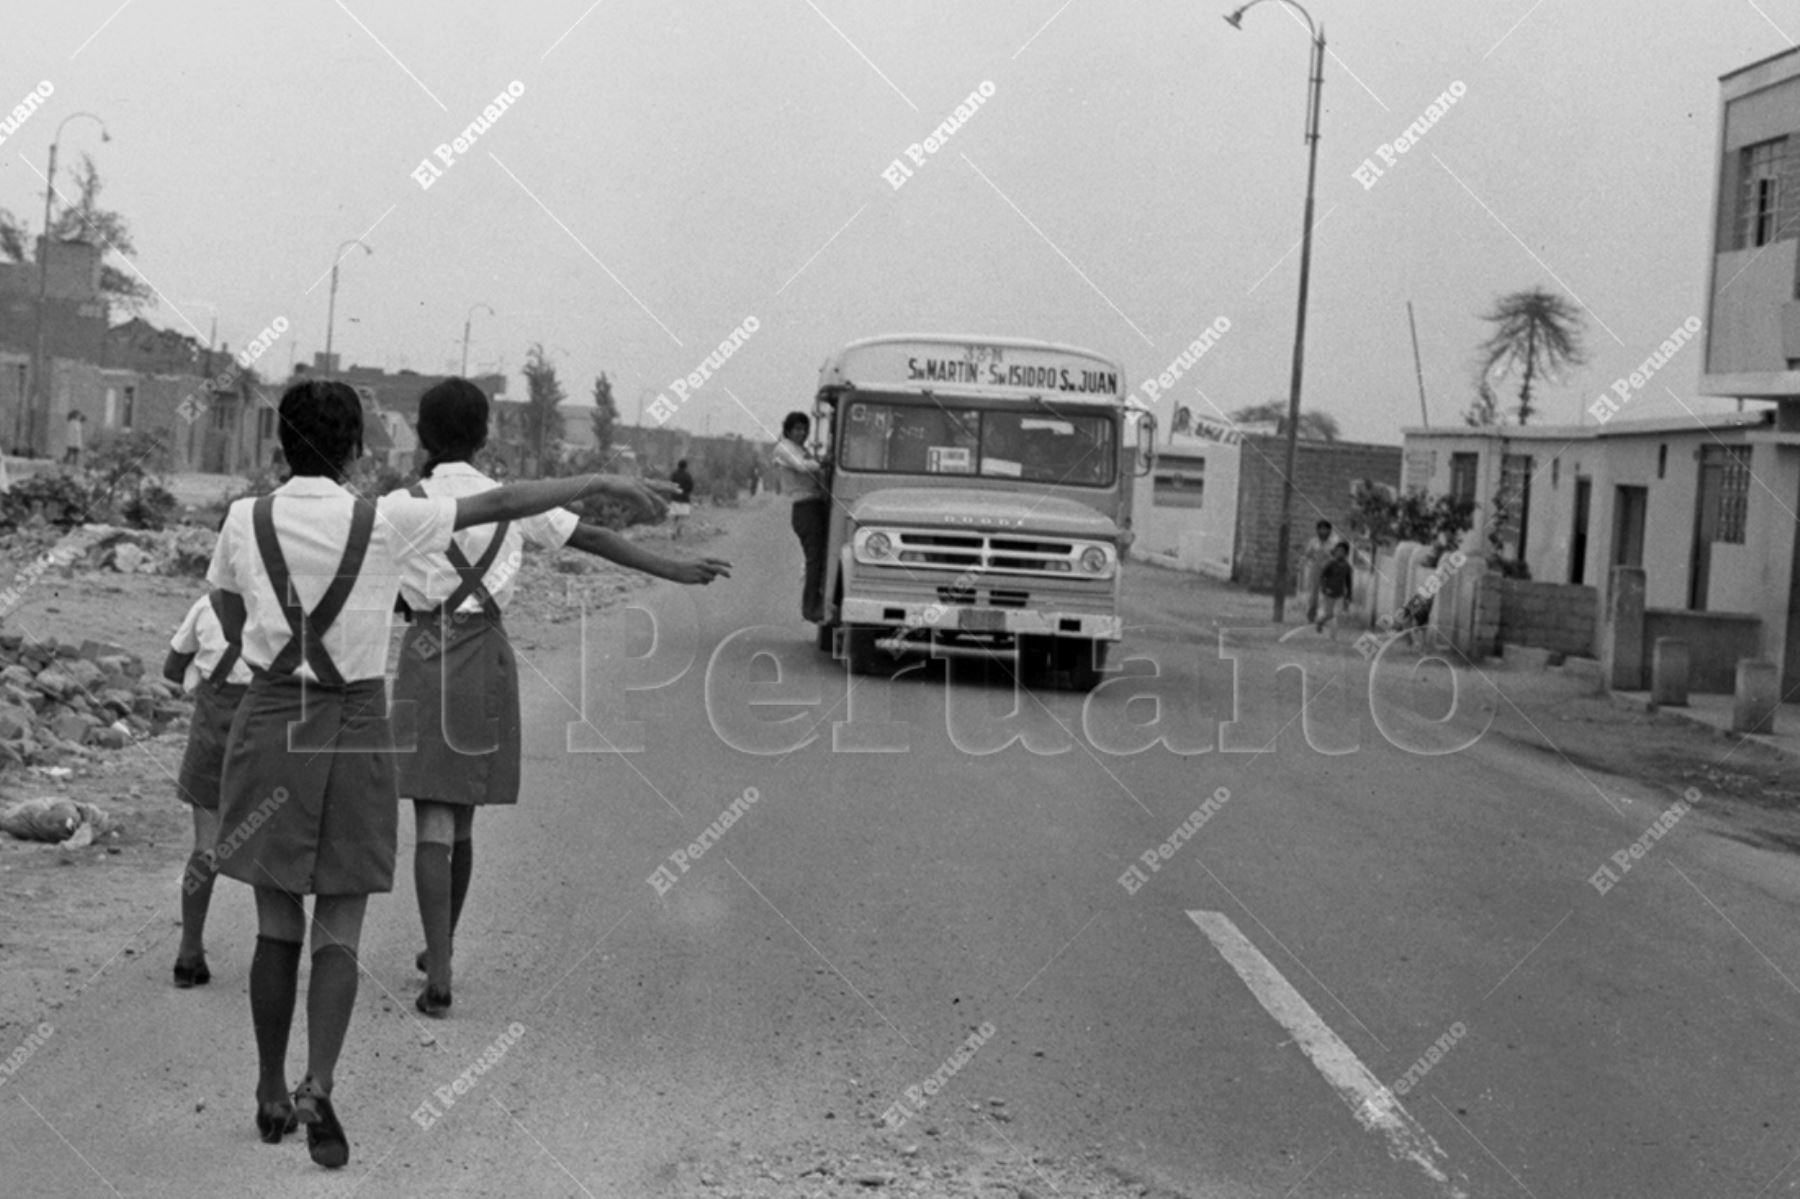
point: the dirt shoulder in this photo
(70, 914)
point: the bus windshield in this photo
(1033, 446)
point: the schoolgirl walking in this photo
(457, 669)
(308, 790)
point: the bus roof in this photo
(975, 365)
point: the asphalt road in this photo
(923, 864)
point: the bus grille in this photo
(973, 551)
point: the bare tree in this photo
(1484, 409)
(84, 220)
(1537, 334)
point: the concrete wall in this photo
(1557, 456)
(1180, 535)
(1669, 519)
(1744, 335)
(1716, 641)
(1325, 474)
(1553, 616)
(1751, 285)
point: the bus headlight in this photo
(1093, 560)
(878, 545)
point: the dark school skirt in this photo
(215, 705)
(456, 704)
(308, 804)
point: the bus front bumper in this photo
(965, 618)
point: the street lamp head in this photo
(1236, 19)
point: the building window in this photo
(1555, 472)
(1662, 459)
(1733, 464)
(265, 423)
(130, 405)
(1463, 469)
(1184, 488)
(1759, 192)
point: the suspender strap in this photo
(228, 607)
(473, 576)
(308, 628)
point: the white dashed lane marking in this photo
(1376, 1107)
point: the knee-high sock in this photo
(196, 898)
(431, 879)
(462, 867)
(330, 998)
(274, 977)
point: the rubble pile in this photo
(182, 550)
(64, 700)
(554, 588)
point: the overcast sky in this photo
(674, 166)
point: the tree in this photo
(1314, 425)
(1536, 333)
(1484, 409)
(1383, 517)
(606, 414)
(541, 418)
(84, 220)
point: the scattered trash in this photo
(67, 822)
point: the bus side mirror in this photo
(1146, 443)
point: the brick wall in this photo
(1552, 616)
(1326, 472)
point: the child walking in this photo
(206, 659)
(1335, 580)
(307, 797)
(468, 751)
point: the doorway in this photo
(1578, 540)
(1629, 508)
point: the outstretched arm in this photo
(604, 543)
(516, 501)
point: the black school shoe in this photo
(192, 973)
(325, 1139)
(274, 1121)
(434, 1002)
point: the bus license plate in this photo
(982, 620)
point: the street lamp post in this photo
(331, 309)
(468, 318)
(1315, 85)
(39, 383)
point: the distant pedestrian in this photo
(1335, 582)
(682, 506)
(803, 477)
(74, 438)
(206, 660)
(1313, 557)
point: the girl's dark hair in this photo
(321, 428)
(795, 418)
(453, 423)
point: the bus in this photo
(980, 502)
